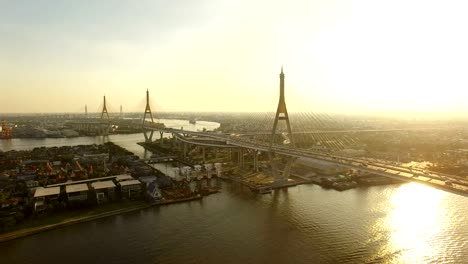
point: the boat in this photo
(192, 121)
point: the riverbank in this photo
(29, 229)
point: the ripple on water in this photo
(406, 223)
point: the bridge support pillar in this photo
(255, 161)
(204, 154)
(241, 158)
(286, 172)
(161, 138)
(185, 149)
(199, 185)
(148, 138)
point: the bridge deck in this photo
(449, 183)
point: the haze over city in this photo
(216, 131)
(338, 56)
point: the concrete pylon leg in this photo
(241, 158)
(274, 168)
(204, 154)
(199, 185)
(148, 138)
(161, 138)
(255, 161)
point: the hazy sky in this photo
(223, 55)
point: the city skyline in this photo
(360, 58)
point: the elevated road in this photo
(450, 183)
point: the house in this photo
(153, 191)
(131, 188)
(77, 192)
(105, 191)
(42, 196)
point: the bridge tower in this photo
(105, 127)
(148, 138)
(86, 111)
(281, 115)
(147, 109)
(104, 109)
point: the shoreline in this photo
(35, 230)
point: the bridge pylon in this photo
(104, 127)
(147, 109)
(148, 138)
(104, 109)
(281, 115)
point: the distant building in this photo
(96, 157)
(32, 184)
(26, 176)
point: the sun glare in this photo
(414, 220)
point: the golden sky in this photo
(339, 56)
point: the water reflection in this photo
(414, 222)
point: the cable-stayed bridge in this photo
(287, 145)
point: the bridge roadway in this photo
(449, 183)
(261, 133)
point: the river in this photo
(407, 223)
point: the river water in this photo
(407, 223)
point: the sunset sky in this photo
(222, 55)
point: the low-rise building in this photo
(105, 191)
(42, 196)
(131, 189)
(77, 192)
(153, 191)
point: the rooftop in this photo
(82, 181)
(126, 183)
(41, 191)
(76, 188)
(123, 177)
(103, 185)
